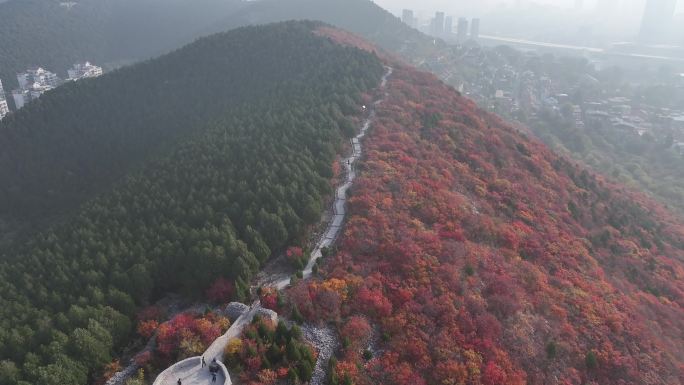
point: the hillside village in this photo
(36, 81)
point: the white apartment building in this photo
(4, 108)
(21, 97)
(37, 75)
(38, 89)
(84, 70)
(32, 84)
(36, 81)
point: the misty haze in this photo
(341, 192)
(595, 21)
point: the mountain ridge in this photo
(361, 17)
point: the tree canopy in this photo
(481, 257)
(191, 167)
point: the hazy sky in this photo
(536, 18)
(477, 6)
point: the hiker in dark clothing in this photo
(179, 382)
(204, 363)
(213, 377)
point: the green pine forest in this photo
(164, 176)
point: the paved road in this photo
(190, 371)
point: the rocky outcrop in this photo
(234, 310)
(325, 340)
(120, 377)
(267, 314)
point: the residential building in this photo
(4, 108)
(475, 29)
(37, 75)
(677, 123)
(84, 70)
(23, 79)
(449, 25)
(408, 18)
(32, 84)
(577, 116)
(462, 30)
(679, 147)
(438, 23)
(37, 89)
(21, 97)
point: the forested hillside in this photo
(225, 148)
(55, 34)
(77, 140)
(483, 258)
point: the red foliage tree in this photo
(269, 299)
(357, 330)
(147, 328)
(186, 326)
(485, 258)
(222, 290)
(373, 302)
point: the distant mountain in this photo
(362, 17)
(55, 34)
(182, 170)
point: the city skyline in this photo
(465, 6)
(592, 22)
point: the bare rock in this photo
(234, 310)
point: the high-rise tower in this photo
(657, 21)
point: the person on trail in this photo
(204, 363)
(179, 382)
(213, 377)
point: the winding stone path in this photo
(339, 206)
(190, 371)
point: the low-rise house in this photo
(4, 108)
(83, 71)
(32, 84)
